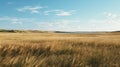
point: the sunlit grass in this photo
(59, 50)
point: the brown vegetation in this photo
(59, 50)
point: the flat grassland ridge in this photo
(59, 50)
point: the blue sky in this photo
(60, 15)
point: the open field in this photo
(59, 50)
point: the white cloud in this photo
(112, 17)
(36, 9)
(60, 25)
(64, 13)
(14, 20)
(31, 9)
(60, 12)
(3, 18)
(107, 22)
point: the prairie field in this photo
(59, 50)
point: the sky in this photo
(60, 15)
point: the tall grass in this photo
(59, 50)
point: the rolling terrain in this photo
(59, 50)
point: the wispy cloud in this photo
(14, 20)
(112, 17)
(60, 12)
(106, 22)
(60, 25)
(36, 9)
(31, 9)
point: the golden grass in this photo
(59, 50)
